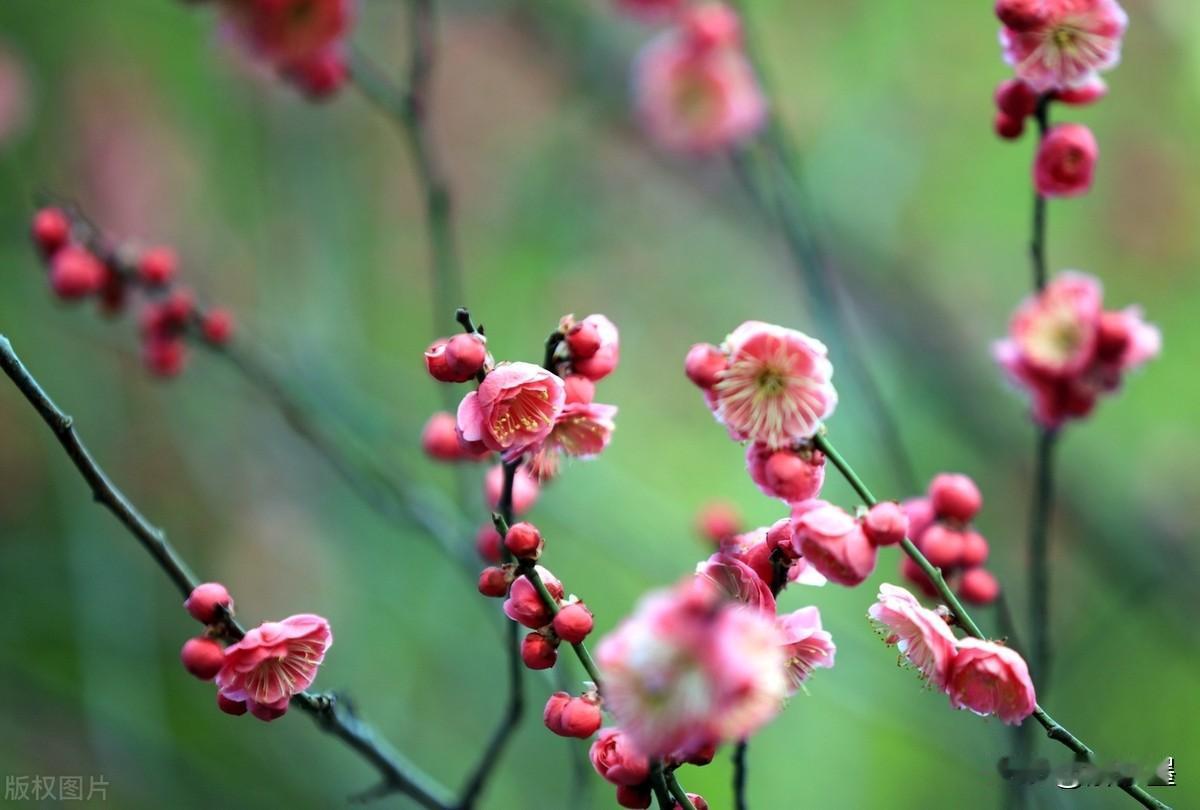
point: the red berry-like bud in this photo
(179, 307)
(75, 273)
(1088, 93)
(583, 339)
(636, 797)
(494, 582)
(439, 437)
(466, 355)
(235, 707)
(697, 801)
(164, 356)
(157, 266)
(51, 230)
(942, 546)
(1066, 161)
(580, 718)
(886, 524)
(704, 365)
(206, 600)
(524, 541)
(438, 365)
(975, 550)
(1021, 15)
(573, 623)
(955, 496)
(202, 657)
(1008, 127)
(322, 75)
(488, 542)
(718, 522)
(1016, 98)
(552, 714)
(978, 587)
(703, 754)
(580, 389)
(217, 326)
(538, 652)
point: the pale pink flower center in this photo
(527, 411)
(284, 674)
(1055, 336)
(763, 397)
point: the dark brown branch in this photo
(333, 717)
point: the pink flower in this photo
(514, 409)
(616, 759)
(806, 644)
(525, 606)
(690, 668)
(695, 98)
(603, 361)
(1066, 351)
(1064, 43)
(525, 489)
(275, 661)
(792, 475)
(833, 542)
(777, 389)
(582, 430)
(287, 33)
(737, 581)
(989, 678)
(919, 634)
(1065, 161)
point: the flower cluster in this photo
(940, 526)
(1066, 350)
(983, 676)
(263, 670)
(703, 663)
(695, 90)
(1057, 49)
(534, 415)
(303, 40)
(81, 266)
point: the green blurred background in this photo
(306, 221)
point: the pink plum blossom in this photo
(690, 667)
(603, 361)
(807, 645)
(1064, 43)
(617, 760)
(989, 678)
(777, 389)
(920, 635)
(789, 474)
(834, 543)
(525, 606)
(273, 662)
(1067, 351)
(581, 431)
(737, 581)
(693, 97)
(514, 409)
(1065, 161)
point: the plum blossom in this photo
(807, 645)
(525, 606)
(581, 431)
(834, 543)
(920, 635)
(1066, 350)
(695, 90)
(989, 678)
(514, 409)
(1065, 161)
(273, 662)
(690, 667)
(1061, 44)
(775, 390)
(617, 760)
(737, 581)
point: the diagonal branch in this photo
(1054, 730)
(331, 715)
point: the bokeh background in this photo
(307, 222)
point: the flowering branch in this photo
(1054, 730)
(333, 716)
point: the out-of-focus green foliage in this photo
(306, 221)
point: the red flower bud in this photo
(1016, 99)
(573, 623)
(51, 230)
(704, 365)
(942, 546)
(580, 718)
(636, 797)
(955, 496)
(157, 266)
(979, 587)
(538, 652)
(204, 601)
(885, 524)
(202, 657)
(524, 541)
(552, 714)
(487, 543)
(1008, 127)
(75, 273)
(583, 339)
(466, 355)
(975, 550)
(494, 581)
(217, 326)
(164, 356)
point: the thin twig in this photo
(1037, 241)
(332, 716)
(740, 769)
(1039, 569)
(1054, 729)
